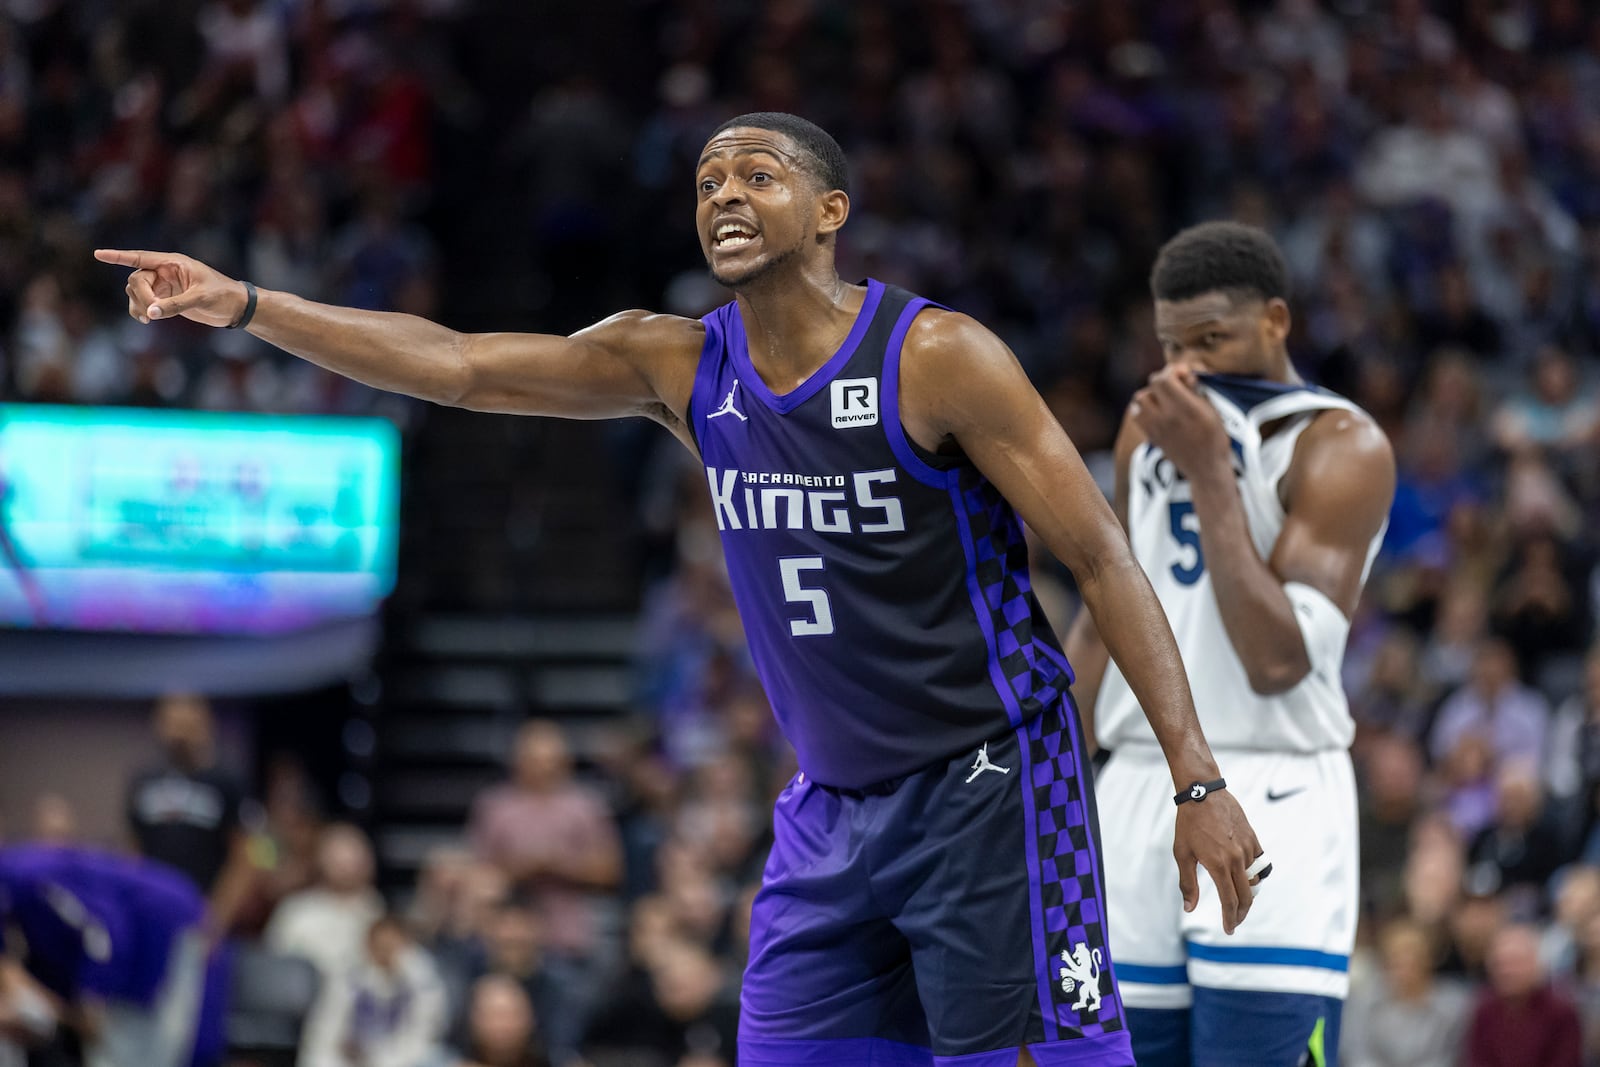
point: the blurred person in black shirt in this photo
(185, 811)
(681, 1004)
(1519, 850)
(513, 942)
(1389, 805)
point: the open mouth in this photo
(730, 235)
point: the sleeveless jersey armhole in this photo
(1289, 438)
(927, 467)
(704, 374)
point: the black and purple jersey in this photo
(95, 922)
(884, 589)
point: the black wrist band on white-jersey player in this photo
(1199, 791)
(249, 308)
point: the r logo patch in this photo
(855, 402)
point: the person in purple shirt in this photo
(1495, 706)
(119, 941)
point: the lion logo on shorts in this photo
(1082, 971)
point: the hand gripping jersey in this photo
(1165, 532)
(884, 590)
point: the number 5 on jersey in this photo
(821, 621)
(1186, 529)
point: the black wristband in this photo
(1199, 791)
(249, 308)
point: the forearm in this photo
(598, 869)
(234, 886)
(1256, 612)
(389, 351)
(1135, 632)
(1089, 658)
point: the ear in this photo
(1277, 321)
(833, 208)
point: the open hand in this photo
(1214, 834)
(167, 285)
(1177, 418)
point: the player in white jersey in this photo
(1255, 504)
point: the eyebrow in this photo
(747, 150)
(1210, 320)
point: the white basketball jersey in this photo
(1165, 533)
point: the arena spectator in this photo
(556, 840)
(1572, 765)
(1394, 698)
(1391, 800)
(1555, 411)
(285, 846)
(1432, 879)
(1542, 605)
(328, 922)
(1494, 707)
(1520, 849)
(685, 1006)
(507, 941)
(55, 822)
(502, 1026)
(1577, 904)
(1521, 1019)
(388, 1009)
(185, 812)
(1406, 1018)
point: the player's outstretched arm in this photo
(960, 383)
(634, 363)
(1288, 614)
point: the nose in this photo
(729, 192)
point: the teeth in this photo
(730, 233)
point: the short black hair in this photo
(1228, 257)
(823, 156)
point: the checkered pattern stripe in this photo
(1074, 909)
(1036, 680)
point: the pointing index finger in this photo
(121, 257)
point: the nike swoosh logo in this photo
(1285, 794)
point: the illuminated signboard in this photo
(193, 522)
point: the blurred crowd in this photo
(290, 143)
(1430, 169)
(598, 920)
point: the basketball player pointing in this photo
(1256, 505)
(933, 891)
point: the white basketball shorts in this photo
(1302, 925)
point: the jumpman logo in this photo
(727, 407)
(982, 764)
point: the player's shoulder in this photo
(938, 334)
(638, 330)
(1345, 435)
(1343, 457)
(956, 375)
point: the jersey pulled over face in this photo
(1222, 333)
(1165, 533)
(884, 590)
